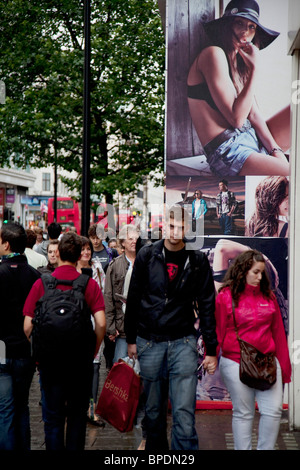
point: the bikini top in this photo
(201, 92)
(283, 230)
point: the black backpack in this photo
(62, 325)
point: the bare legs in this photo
(261, 164)
(280, 127)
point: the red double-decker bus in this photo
(109, 216)
(68, 213)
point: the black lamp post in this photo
(85, 199)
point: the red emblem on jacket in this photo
(172, 271)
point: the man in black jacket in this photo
(168, 284)
(17, 367)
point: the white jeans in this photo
(243, 401)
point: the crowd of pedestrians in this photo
(143, 296)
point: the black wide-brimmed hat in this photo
(248, 9)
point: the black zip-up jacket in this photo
(152, 315)
(16, 280)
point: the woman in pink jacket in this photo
(259, 322)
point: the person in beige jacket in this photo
(116, 286)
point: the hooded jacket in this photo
(259, 322)
(152, 315)
(41, 248)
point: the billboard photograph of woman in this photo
(221, 87)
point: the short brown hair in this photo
(52, 242)
(96, 230)
(31, 238)
(69, 247)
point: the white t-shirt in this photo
(225, 202)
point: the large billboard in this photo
(228, 139)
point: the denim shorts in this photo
(229, 157)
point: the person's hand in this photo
(113, 337)
(210, 364)
(132, 351)
(249, 54)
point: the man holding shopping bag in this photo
(168, 281)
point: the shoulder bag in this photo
(257, 370)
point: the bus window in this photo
(68, 213)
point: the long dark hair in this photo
(269, 194)
(235, 278)
(222, 37)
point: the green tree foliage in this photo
(41, 64)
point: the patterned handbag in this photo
(257, 370)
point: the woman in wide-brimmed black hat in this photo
(221, 96)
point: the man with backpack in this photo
(58, 317)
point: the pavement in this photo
(213, 428)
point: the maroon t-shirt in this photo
(93, 294)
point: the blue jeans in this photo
(225, 222)
(15, 380)
(243, 401)
(65, 397)
(120, 349)
(169, 368)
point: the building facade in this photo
(294, 242)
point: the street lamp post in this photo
(55, 186)
(85, 199)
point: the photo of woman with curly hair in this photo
(270, 217)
